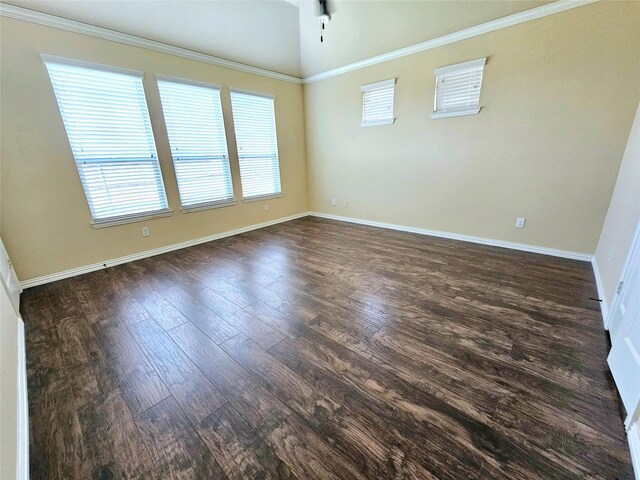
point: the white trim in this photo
(376, 123)
(195, 83)
(480, 62)
(57, 60)
(456, 113)
(137, 217)
(585, 257)
(259, 198)
(24, 14)
(22, 472)
(208, 206)
(251, 92)
(604, 310)
(633, 436)
(373, 86)
(149, 253)
(491, 26)
(176, 246)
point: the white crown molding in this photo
(19, 13)
(27, 15)
(150, 253)
(584, 257)
(491, 26)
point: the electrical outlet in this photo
(266, 207)
(346, 203)
(520, 222)
(333, 202)
(145, 231)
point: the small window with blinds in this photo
(377, 103)
(255, 126)
(193, 116)
(107, 122)
(458, 89)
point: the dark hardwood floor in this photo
(314, 350)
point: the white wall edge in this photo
(604, 309)
(22, 471)
(633, 436)
(27, 15)
(585, 257)
(487, 27)
(150, 253)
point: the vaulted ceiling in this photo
(279, 35)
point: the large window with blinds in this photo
(377, 103)
(458, 89)
(255, 126)
(107, 122)
(195, 125)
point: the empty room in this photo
(320, 239)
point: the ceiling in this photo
(260, 33)
(283, 36)
(361, 29)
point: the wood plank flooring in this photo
(317, 350)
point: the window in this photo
(255, 125)
(377, 103)
(106, 118)
(193, 115)
(458, 89)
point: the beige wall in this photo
(623, 218)
(559, 97)
(45, 218)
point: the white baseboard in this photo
(604, 309)
(22, 472)
(150, 253)
(585, 257)
(176, 246)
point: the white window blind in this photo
(255, 126)
(106, 118)
(193, 115)
(377, 103)
(458, 89)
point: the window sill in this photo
(208, 206)
(139, 217)
(261, 197)
(377, 123)
(459, 113)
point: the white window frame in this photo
(103, 222)
(374, 86)
(458, 67)
(257, 198)
(206, 205)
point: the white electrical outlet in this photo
(145, 231)
(333, 202)
(520, 222)
(266, 207)
(346, 203)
